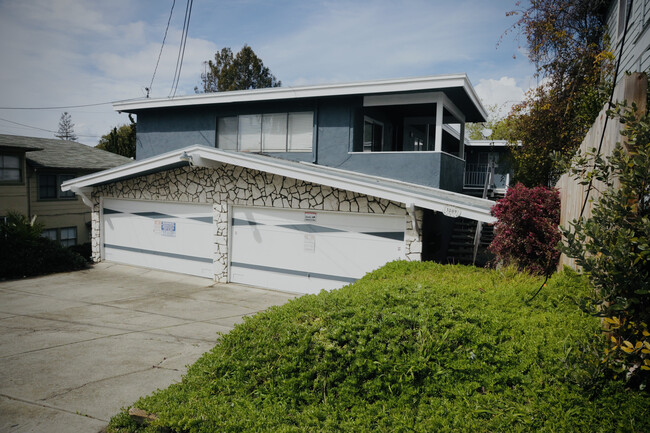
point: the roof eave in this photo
(367, 185)
(428, 83)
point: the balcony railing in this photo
(475, 175)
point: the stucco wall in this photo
(229, 185)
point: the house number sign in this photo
(451, 212)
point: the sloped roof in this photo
(456, 87)
(55, 153)
(449, 203)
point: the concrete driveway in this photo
(76, 347)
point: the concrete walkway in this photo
(76, 347)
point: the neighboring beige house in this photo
(31, 172)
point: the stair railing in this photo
(489, 180)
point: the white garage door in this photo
(175, 237)
(306, 251)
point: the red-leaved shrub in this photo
(527, 233)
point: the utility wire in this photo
(56, 108)
(611, 100)
(171, 12)
(42, 129)
(181, 48)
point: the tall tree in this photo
(566, 40)
(120, 140)
(236, 72)
(66, 128)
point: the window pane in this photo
(301, 131)
(9, 168)
(367, 136)
(47, 186)
(63, 178)
(227, 133)
(274, 132)
(68, 236)
(250, 133)
(49, 233)
(10, 161)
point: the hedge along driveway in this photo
(76, 347)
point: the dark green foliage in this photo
(24, 253)
(229, 72)
(121, 140)
(410, 347)
(613, 246)
(84, 250)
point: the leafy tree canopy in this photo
(500, 129)
(120, 140)
(567, 42)
(236, 72)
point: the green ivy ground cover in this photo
(410, 347)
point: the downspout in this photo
(410, 208)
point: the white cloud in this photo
(501, 94)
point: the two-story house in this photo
(31, 172)
(298, 188)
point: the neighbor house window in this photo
(66, 236)
(49, 186)
(10, 168)
(373, 135)
(272, 132)
(51, 234)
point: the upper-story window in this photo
(272, 132)
(49, 187)
(373, 135)
(10, 169)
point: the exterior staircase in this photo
(461, 245)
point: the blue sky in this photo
(76, 52)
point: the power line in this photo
(42, 129)
(181, 48)
(171, 12)
(56, 108)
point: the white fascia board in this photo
(123, 171)
(435, 82)
(400, 192)
(492, 143)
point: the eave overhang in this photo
(449, 203)
(456, 86)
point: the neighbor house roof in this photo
(450, 203)
(456, 87)
(55, 153)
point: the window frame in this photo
(59, 178)
(20, 169)
(289, 116)
(374, 124)
(56, 234)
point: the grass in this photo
(410, 347)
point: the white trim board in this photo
(449, 203)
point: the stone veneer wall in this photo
(230, 185)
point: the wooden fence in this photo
(632, 88)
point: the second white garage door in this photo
(306, 251)
(176, 237)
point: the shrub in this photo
(613, 246)
(526, 231)
(24, 253)
(84, 250)
(413, 346)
